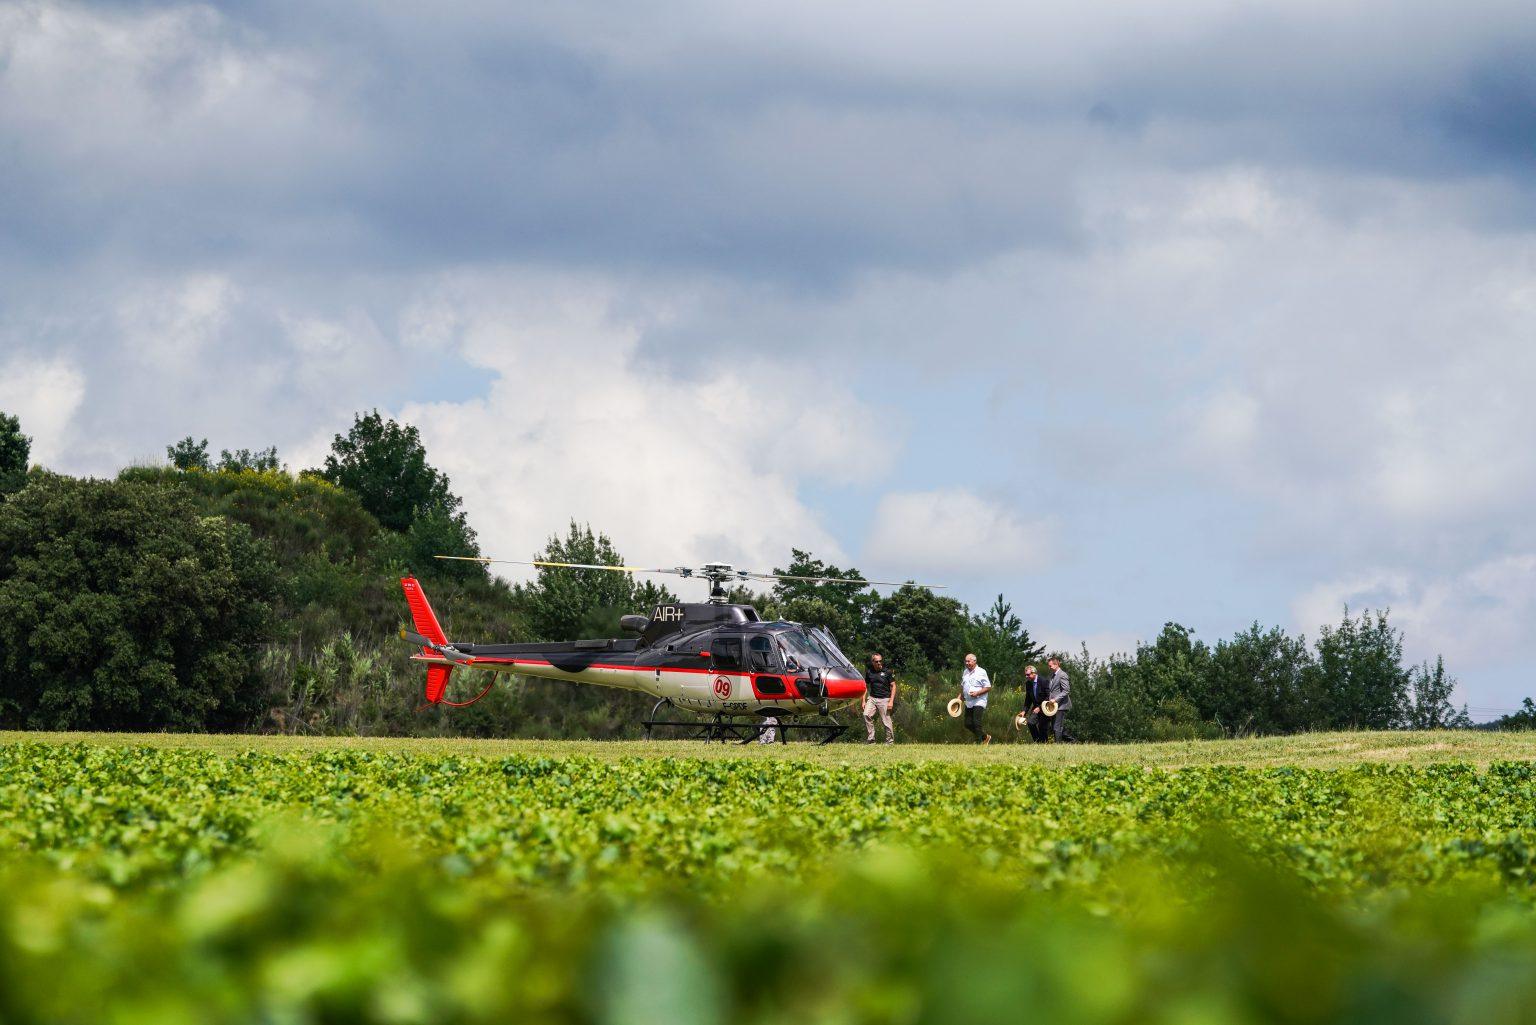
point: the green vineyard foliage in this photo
(168, 885)
(136, 816)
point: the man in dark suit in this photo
(1034, 693)
(1058, 689)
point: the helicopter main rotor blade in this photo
(678, 570)
(835, 580)
(688, 572)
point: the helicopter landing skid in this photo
(721, 728)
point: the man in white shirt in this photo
(974, 685)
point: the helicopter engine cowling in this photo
(841, 688)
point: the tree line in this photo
(231, 594)
(1260, 681)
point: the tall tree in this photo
(385, 465)
(439, 532)
(189, 454)
(1429, 704)
(569, 603)
(842, 608)
(1360, 681)
(916, 630)
(1109, 703)
(1176, 665)
(1524, 719)
(15, 450)
(1256, 683)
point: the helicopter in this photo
(748, 678)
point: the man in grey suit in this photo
(1058, 689)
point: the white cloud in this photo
(45, 395)
(1479, 618)
(676, 470)
(952, 531)
(1054, 50)
(169, 94)
(1363, 374)
(1225, 424)
(245, 360)
(170, 327)
(1347, 354)
(1324, 603)
(326, 350)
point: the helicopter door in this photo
(726, 662)
(767, 673)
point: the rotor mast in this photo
(717, 573)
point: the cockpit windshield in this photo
(815, 646)
(824, 636)
(801, 645)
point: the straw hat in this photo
(954, 708)
(1049, 707)
(1020, 719)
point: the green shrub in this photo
(124, 608)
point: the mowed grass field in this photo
(1338, 877)
(1312, 750)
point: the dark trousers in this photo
(1053, 725)
(1039, 728)
(973, 714)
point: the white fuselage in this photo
(733, 692)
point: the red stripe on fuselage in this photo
(492, 660)
(837, 689)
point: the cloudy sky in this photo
(1133, 311)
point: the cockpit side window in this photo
(726, 652)
(761, 655)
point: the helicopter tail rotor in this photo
(430, 638)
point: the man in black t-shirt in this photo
(879, 698)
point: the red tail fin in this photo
(437, 682)
(427, 625)
(421, 612)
